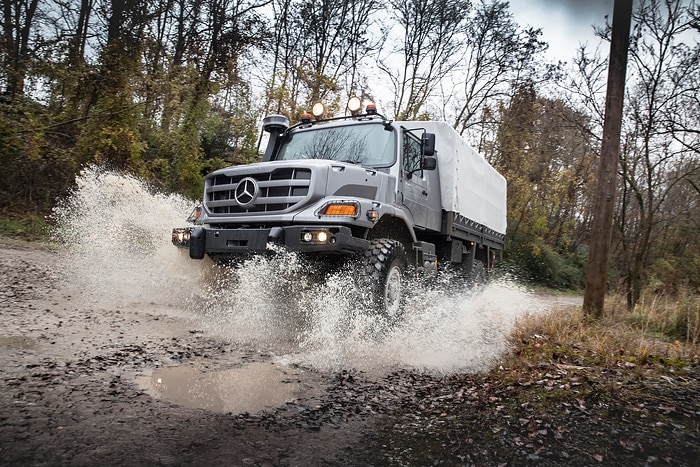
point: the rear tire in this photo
(385, 265)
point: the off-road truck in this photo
(396, 195)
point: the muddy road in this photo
(117, 349)
(109, 363)
(102, 364)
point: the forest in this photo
(169, 90)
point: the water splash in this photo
(118, 251)
(116, 231)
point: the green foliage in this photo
(228, 138)
(30, 227)
(35, 170)
(537, 262)
(545, 159)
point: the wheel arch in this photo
(395, 228)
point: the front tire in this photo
(385, 266)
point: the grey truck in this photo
(396, 196)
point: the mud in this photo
(70, 395)
(89, 378)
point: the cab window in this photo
(412, 153)
(370, 145)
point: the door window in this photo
(412, 154)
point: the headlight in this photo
(181, 237)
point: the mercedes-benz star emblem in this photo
(246, 192)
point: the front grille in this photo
(279, 189)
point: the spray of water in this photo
(116, 232)
(117, 236)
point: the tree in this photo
(315, 47)
(18, 18)
(661, 132)
(601, 229)
(432, 34)
(546, 159)
(110, 134)
(498, 58)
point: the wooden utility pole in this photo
(601, 232)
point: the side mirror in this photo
(428, 144)
(428, 163)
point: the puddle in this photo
(252, 388)
(17, 342)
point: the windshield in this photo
(368, 145)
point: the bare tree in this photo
(662, 131)
(17, 23)
(498, 56)
(432, 32)
(316, 47)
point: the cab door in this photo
(421, 191)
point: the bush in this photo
(539, 263)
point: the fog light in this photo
(322, 236)
(307, 237)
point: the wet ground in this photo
(138, 384)
(98, 367)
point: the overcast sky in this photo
(565, 24)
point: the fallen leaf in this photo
(628, 444)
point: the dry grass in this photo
(660, 329)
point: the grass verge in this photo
(30, 227)
(622, 390)
(660, 328)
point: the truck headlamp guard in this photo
(194, 215)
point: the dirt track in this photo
(68, 393)
(69, 396)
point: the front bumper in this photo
(305, 238)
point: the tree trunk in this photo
(597, 272)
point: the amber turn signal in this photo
(344, 209)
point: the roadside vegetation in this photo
(30, 227)
(660, 330)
